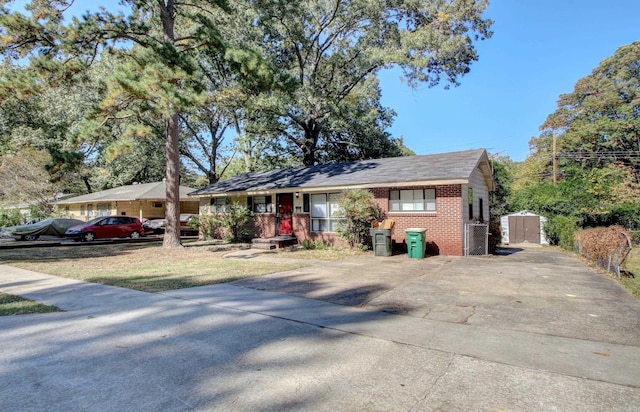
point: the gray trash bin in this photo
(381, 241)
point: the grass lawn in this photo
(15, 305)
(631, 282)
(143, 266)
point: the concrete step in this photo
(277, 242)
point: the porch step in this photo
(277, 242)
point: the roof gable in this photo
(456, 166)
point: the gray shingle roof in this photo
(434, 167)
(144, 191)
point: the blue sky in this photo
(539, 49)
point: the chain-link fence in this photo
(476, 239)
(607, 248)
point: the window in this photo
(89, 210)
(325, 212)
(82, 212)
(104, 209)
(157, 205)
(261, 204)
(218, 204)
(412, 200)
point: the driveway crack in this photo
(445, 371)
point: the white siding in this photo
(478, 183)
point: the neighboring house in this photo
(523, 227)
(144, 200)
(24, 209)
(439, 192)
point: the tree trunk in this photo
(310, 143)
(87, 184)
(172, 213)
(172, 201)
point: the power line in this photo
(589, 155)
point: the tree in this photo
(215, 133)
(26, 180)
(594, 138)
(358, 130)
(52, 120)
(156, 39)
(137, 161)
(599, 122)
(331, 51)
(503, 170)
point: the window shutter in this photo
(305, 202)
(250, 203)
(268, 201)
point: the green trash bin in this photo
(416, 242)
(381, 241)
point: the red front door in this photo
(285, 214)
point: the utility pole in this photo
(555, 160)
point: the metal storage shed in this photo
(523, 227)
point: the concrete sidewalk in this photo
(229, 347)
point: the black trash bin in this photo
(381, 240)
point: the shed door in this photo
(524, 229)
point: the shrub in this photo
(208, 225)
(9, 217)
(318, 245)
(495, 234)
(235, 220)
(359, 209)
(234, 223)
(606, 247)
(627, 215)
(561, 230)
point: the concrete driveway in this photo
(528, 330)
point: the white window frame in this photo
(260, 205)
(218, 204)
(103, 209)
(412, 200)
(325, 212)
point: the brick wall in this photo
(302, 231)
(444, 234)
(265, 225)
(302, 226)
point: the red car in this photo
(106, 227)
